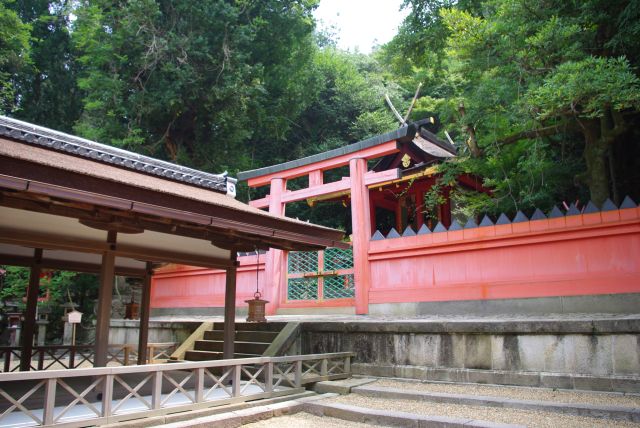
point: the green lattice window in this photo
(339, 287)
(302, 289)
(303, 261)
(337, 258)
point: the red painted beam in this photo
(327, 164)
(370, 178)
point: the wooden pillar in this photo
(229, 335)
(316, 178)
(275, 260)
(29, 325)
(143, 336)
(361, 229)
(105, 294)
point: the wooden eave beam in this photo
(69, 265)
(61, 242)
(82, 188)
(424, 173)
(181, 222)
(335, 162)
(473, 182)
(224, 235)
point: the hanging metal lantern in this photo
(132, 309)
(257, 310)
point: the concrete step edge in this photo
(392, 418)
(245, 413)
(589, 410)
(584, 382)
(242, 338)
(237, 342)
(202, 351)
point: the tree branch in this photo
(620, 125)
(535, 133)
(472, 141)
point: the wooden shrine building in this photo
(73, 204)
(389, 175)
(409, 258)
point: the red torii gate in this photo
(403, 152)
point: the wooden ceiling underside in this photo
(126, 221)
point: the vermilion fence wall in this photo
(597, 253)
(581, 254)
(178, 286)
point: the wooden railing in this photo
(71, 357)
(102, 395)
(128, 354)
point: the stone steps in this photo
(371, 416)
(578, 409)
(241, 347)
(242, 335)
(394, 413)
(251, 340)
(226, 415)
(491, 404)
(269, 415)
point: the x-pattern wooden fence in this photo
(71, 357)
(97, 396)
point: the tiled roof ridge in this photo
(60, 141)
(403, 134)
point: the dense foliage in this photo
(543, 94)
(56, 289)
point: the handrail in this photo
(97, 371)
(105, 395)
(71, 356)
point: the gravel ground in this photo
(305, 420)
(533, 419)
(519, 393)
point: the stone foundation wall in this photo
(596, 355)
(126, 331)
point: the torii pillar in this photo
(274, 267)
(361, 230)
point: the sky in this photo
(361, 24)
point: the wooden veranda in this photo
(73, 204)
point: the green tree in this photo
(596, 93)
(60, 286)
(543, 94)
(346, 104)
(194, 82)
(48, 93)
(14, 56)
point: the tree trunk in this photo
(595, 156)
(472, 141)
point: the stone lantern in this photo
(42, 321)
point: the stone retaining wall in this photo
(597, 355)
(126, 331)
